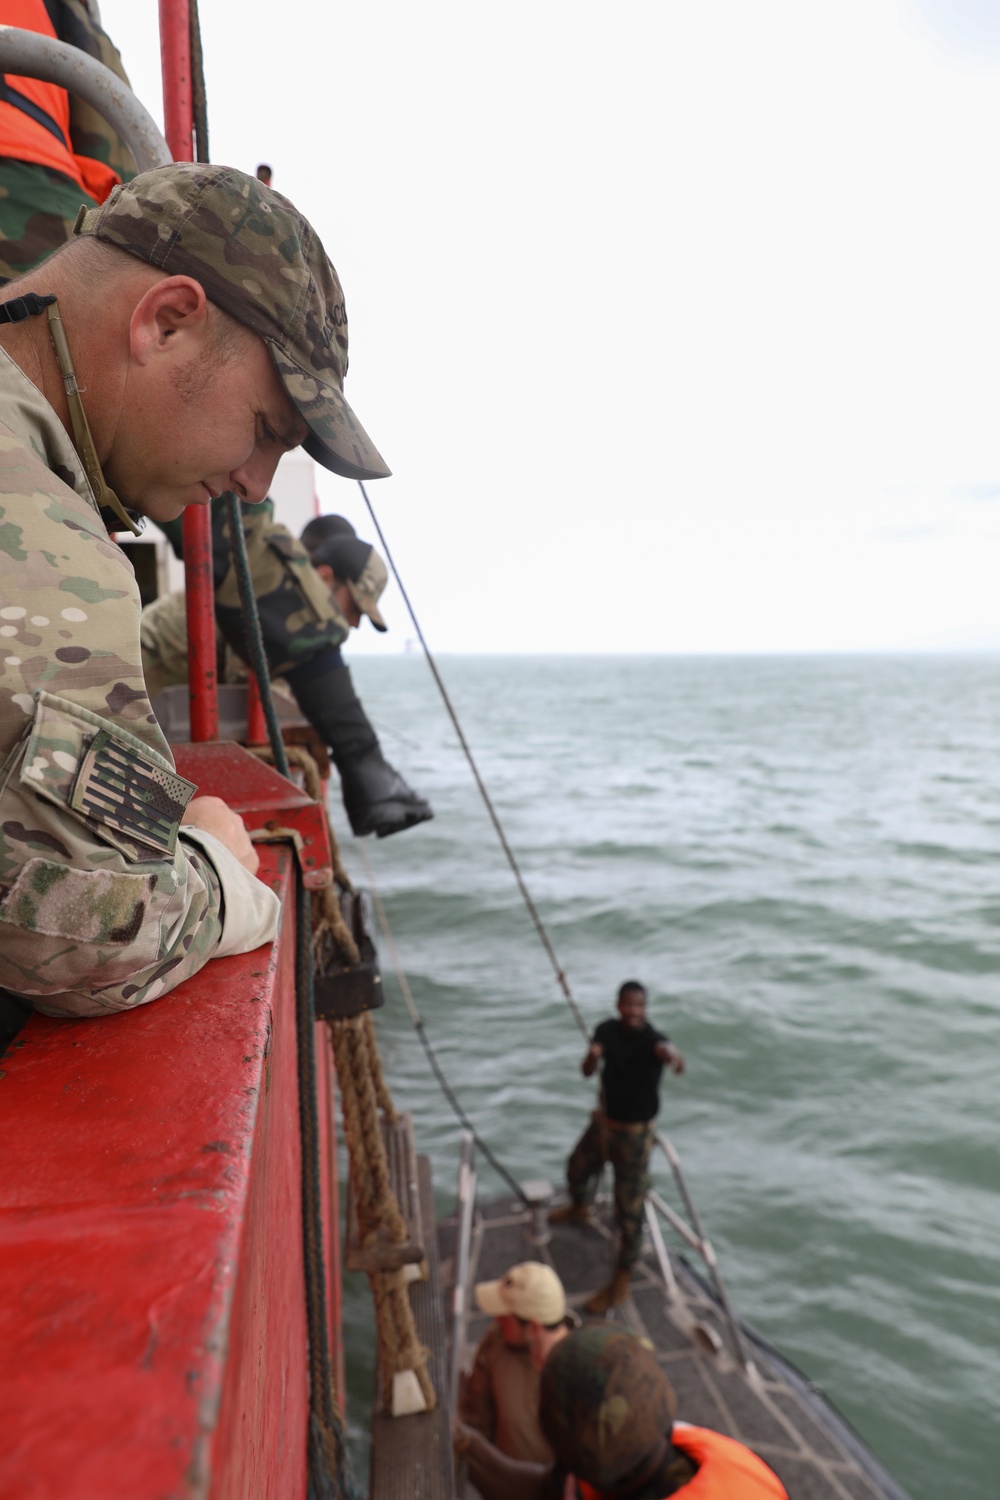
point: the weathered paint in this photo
(151, 1315)
(327, 1086)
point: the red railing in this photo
(175, 54)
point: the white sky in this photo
(678, 323)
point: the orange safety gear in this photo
(34, 116)
(726, 1470)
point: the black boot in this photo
(376, 798)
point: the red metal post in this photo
(256, 722)
(175, 52)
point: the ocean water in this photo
(800, 857)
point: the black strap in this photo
(10, 95)
(20, 308)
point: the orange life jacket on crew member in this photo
(726, 1470)
(34, 116)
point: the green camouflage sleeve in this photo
(102, 905)
(37, 210)
(90, 133)
(298, 618)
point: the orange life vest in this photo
(726, 1470)
(35, 126)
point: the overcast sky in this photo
(678, 324)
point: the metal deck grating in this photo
(814, 1453)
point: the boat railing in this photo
(693, 1234)
(31, 55)
(465, 1204)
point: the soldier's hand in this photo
(213, 816)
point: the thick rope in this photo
(328, 1470)
(399, 1347)
(376, 1202)
(533, 912)
(199, 103)
(382, 1094)
(332, 939)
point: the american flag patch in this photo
(123, 789)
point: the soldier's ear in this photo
(170, 314)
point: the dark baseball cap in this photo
(263, 263)
(360, 567)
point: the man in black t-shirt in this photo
(621, 1132)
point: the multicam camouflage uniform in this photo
(103, 906)
(627, 1148)
(103, 903)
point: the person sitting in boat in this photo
(309, 598)
(499, 1398)
(633, 1055)
(607, 1410)
(119, 369)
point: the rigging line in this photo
(252, 632)
(418, 1026)
(543, 935)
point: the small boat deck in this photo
(775, 1411)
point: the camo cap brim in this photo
(262, 262)
(367, 589)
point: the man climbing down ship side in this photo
(633, 1055)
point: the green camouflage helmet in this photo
(605, 1404)
(262, 262)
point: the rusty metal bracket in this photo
(274, 833)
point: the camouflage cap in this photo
(354, 561)
(262, 262)
(605, 1404)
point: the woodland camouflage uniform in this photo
(298, 615)
(627, 1148)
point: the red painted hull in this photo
(152, 1322)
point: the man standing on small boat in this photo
(633, 1054)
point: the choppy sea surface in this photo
(800, 856)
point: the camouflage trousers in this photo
(627, 1148)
